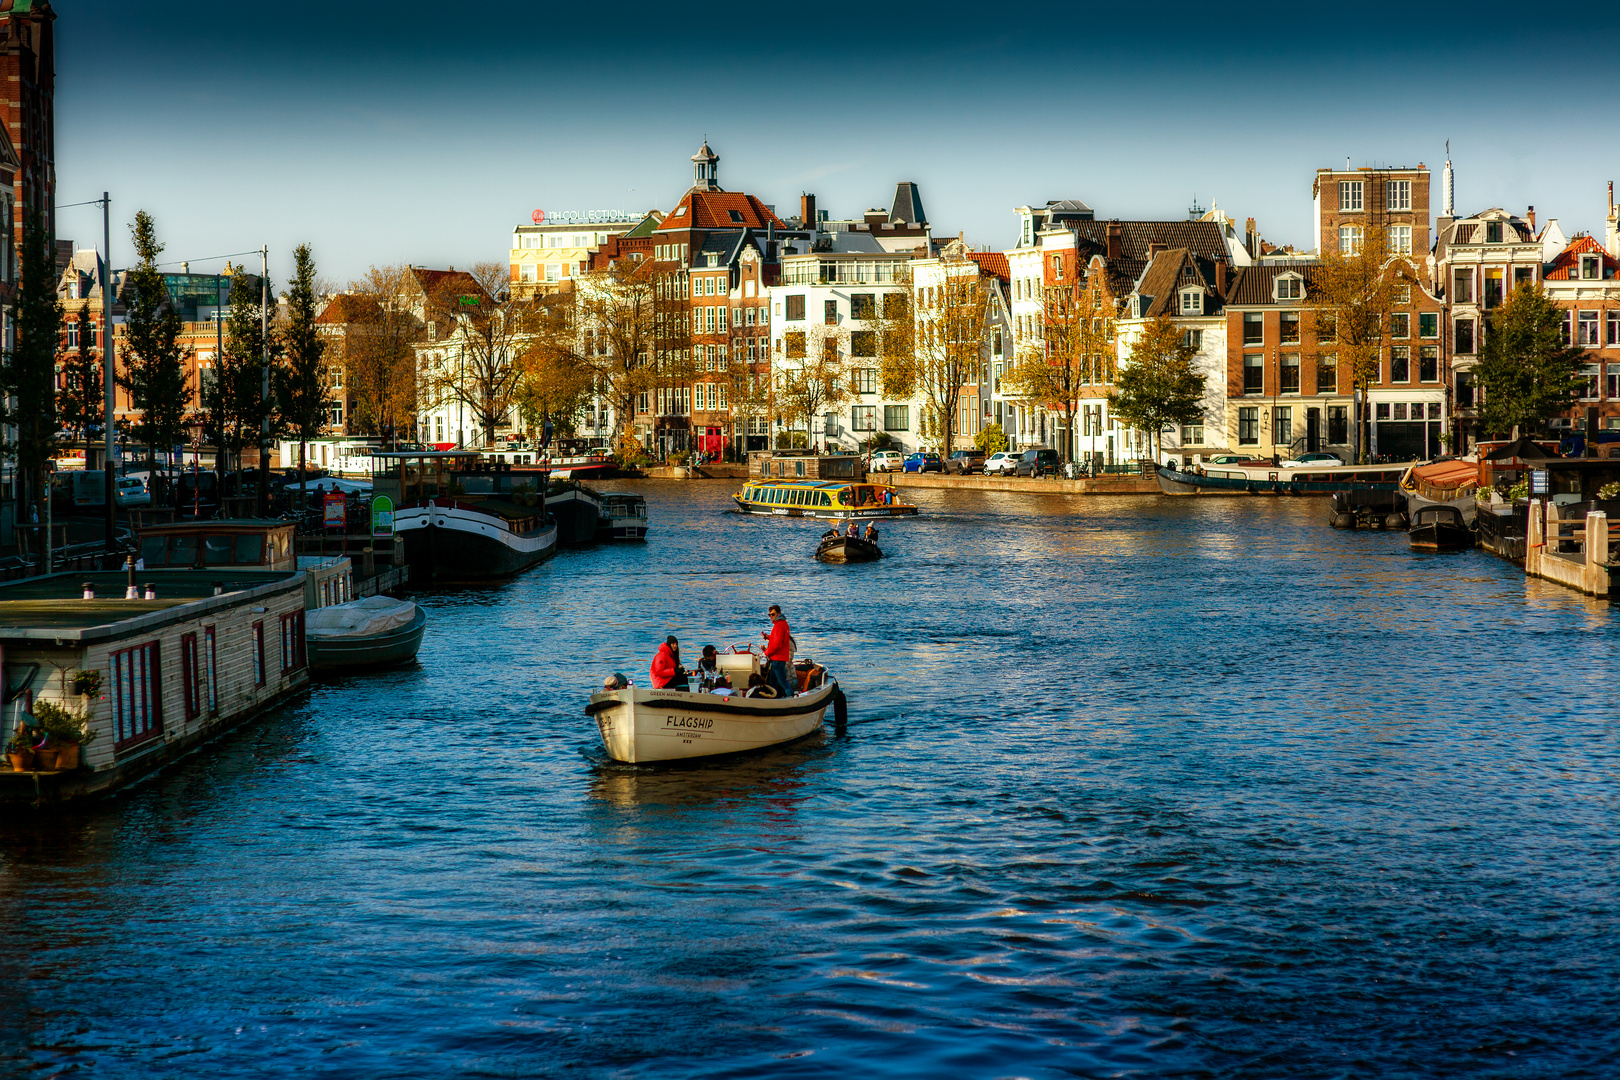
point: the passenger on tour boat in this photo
(758, 687)
(666, 667)
(779, 651)
(708, 670)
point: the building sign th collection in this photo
(584, 217)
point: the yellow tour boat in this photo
(821, 499)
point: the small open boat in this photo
(640, 724)
(1439, 527)
(847, 549)
(374, 632)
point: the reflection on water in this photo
(1131, 787)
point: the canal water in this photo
(1131, 787)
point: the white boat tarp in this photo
(359, 618)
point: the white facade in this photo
(823, 297)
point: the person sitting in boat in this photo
(666, 667)
(709, 670)
(871, 533)
(830, 533)
(615, 681)
(758, 687)
(853, 531)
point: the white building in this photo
(1191, 292)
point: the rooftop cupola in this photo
(706, 169)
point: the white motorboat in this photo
(640, 724)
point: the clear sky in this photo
(418, 132)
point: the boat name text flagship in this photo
(687, 722)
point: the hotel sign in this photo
(585, 217)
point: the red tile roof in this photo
(715, 210)
(346, 308)
(993, 263)
(1566, 264)
(432, 281)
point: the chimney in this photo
(1530, 216)
(1156, 246)
(1116, 239)
(1251, 238)
(807, 210)
(1220, 278)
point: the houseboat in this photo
(624, 516)
(1277, 480)
(820, 499)
(462, 518)
(577, 510)
(146, 679)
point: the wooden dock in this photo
(1573, 551)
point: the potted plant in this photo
(67, 732)
(20, 752)
(87, 683)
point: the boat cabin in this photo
(257, 543)
(803, 465)
(413, 477)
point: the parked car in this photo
(965, 461)
(131, 491)
(1038, 462)
(884, 461)
(1002, 461)
(1320, 457)
(923, 461)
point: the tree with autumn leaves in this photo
(1158, 386)
(1074, 355)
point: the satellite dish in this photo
(539, 216)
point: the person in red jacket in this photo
(666, 666)
(779, 652)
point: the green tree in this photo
(234, 404)
(154, 360)
(991, 439)
(1527, 369)
(30, 377)
(1157, 385)
(301, 382)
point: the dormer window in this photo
(1192, 301)
(736, 218)
(1493, 232)
(1590, 268)
(1290, 287)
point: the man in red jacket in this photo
(666, 666)
(779, 651)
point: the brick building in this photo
(27, 107)
(1584, 280)
(1287, 394)
(1349, 202)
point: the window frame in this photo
(258, 654)
(137, 694)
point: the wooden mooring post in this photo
(1586, 569)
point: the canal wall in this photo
(1102, 485)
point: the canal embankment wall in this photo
(1101, 485)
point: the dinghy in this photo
(373, 632)
(847, 549)
(641, 724)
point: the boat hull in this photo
(1269, 482)
(576, 513)
(1440, 538)
(845, 549)
(639, 724)
(375, 650)
(450, 544)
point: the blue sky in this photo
(416, 132)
